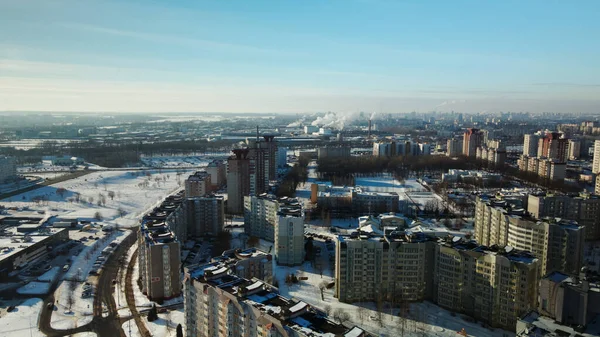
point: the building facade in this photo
(596, 160)
(8, 168)
(333, 152)
(198, 184)
(205, 215)
(218, 174)
(238, 180)
(554, 146)
(472, 139)
(530, 145)
(454, 147)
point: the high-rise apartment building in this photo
(596, 161)
(280, 220)
(554, 146)
(493, 285)
(220, 304)
(472, 139)
(574, 149)
(558, 245)
(397, 267)
(205, 215)
(8, 168)
(494, 153)
(585, 209)
(159, 249)
(218, 174)
(454, 147)
(282, 156)
(197, 185)
(530, 145)
(238, 180)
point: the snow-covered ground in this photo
(388, 184)
(81, 311)
(426, 317)
(131, 329)
(34, 288)
(181, 161)
(23, 320)
(133, 192)
(166, 324)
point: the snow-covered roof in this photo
(298, 306)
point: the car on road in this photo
(11, 308)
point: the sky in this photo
(299, 56)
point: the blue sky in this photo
(299, 56)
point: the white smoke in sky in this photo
(331, 120)
(372, 116)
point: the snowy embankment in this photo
(23, 320)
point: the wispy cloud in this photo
(171, 39)
(567, 84)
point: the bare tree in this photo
(61, 192)
(121, 212)
(71, 286)
(98, 216)
(111, 195)
(341, 315)
(327, 309)
(91, 200)
(361, 312)
(322, 287)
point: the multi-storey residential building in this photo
(574, 149)
(218, 174)
(391, 267)
(8, 168)
(282, 156)
(550, 169)
(260, 216)
(220, 304)
(596, 161)
(557, 244)
(391, 148)
(289, 233)
(278, 220)
(264, 153)
(472, 139)
(333, 152)
(454, 147)
(238, 180)
(570, 300)
(495, 154)
(493, 285)
(197, 185)
(554, 146)
(204, 215)
(597, 186)
(584, 208)
(159, 249)
(530, 145)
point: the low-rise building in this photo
(333, 152)
(354, 199)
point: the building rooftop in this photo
(153, 224)
(12, 242)
(541, 326)
(296, 315)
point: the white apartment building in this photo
(278, 220)
(574, 149)
(596, 161)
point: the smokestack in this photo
(369, 134)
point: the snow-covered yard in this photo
(23, 320)
(81, 311)
(166, 324)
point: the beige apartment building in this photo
(219, 303)
(583, 208)
(218, 174)
(558, 244)
(493, 285)
(197, 185)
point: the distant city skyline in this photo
(299, 57)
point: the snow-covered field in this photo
(120, 197)
(181, 161)
(81, 311)
(166, 324)
(23, 320)
(388, 184)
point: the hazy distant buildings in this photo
(333, 152)
(472, 139)
(8, 168)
